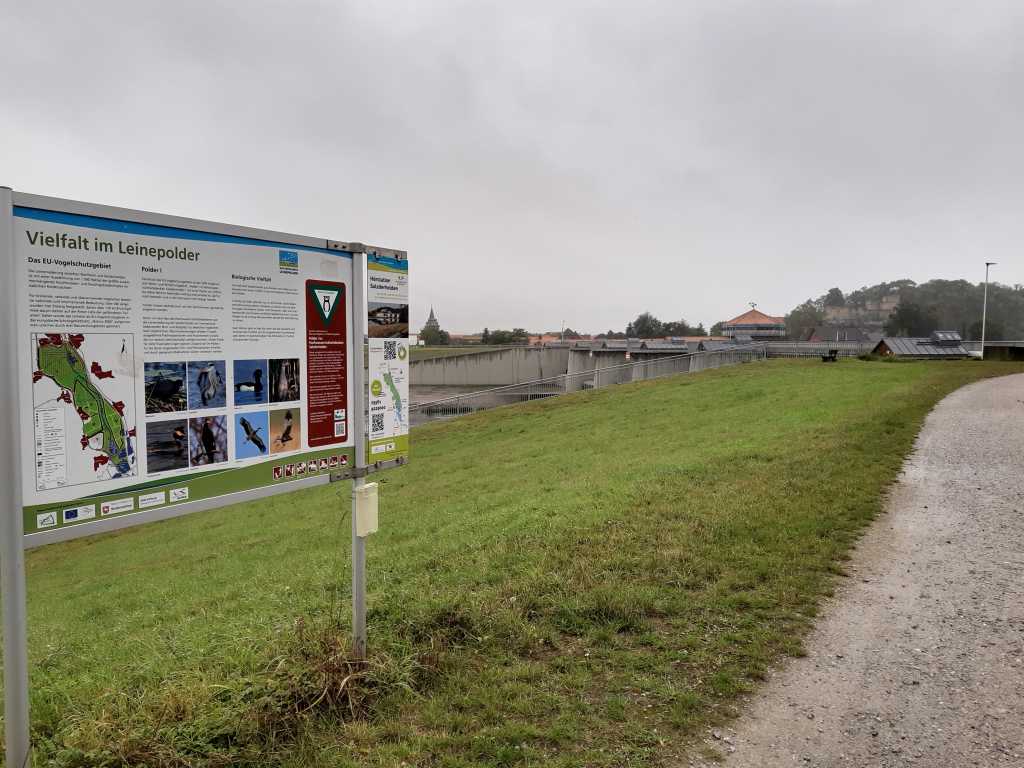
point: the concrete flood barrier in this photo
(587, 372)
(496, 368)
(599, 368)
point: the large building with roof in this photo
(945, 345)
(755, 326)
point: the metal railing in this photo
(596, 378)
(817, 348)
(975, 346)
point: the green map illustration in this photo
(105, 438)
(389, 379)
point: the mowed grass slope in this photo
(586, 580)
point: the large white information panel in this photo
(163, 362)
(156, 366)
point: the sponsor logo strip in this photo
(117, 506)
(74, 514)
(46, 519)
(152, 500)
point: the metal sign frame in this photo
(12, 556)
(14, 540)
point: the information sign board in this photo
(155, 366)
(166, 362)
(387, 296)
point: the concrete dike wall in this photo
(613, 369)
(489, 369)
(584, 370)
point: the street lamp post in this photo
(984, 308)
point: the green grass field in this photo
(586, 580)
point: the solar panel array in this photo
(946, 338)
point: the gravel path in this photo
(919, 661)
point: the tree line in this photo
(438, 337)
(645, 326)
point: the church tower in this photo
(431, 324)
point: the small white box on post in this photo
(366, 510)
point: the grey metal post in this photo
(984, 308)
(16, 718)
(359, 428)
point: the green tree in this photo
(911, 319)
(861, 296)
(834, 298)
(485, 337)
(682, 328)
(993, 331)
(646, 326)
(515, 336)
(803, 318)
(956, 305)
(435, 337)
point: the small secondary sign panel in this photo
(166, 365)
(387, 300)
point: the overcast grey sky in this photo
(549, 161)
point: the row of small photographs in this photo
(279, 431)
(172, 387)
(300, 468)
(203, 440)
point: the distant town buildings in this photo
(540, 339)
(754, 326)
(465, 338)
(870, 314)
(550, 337)
(861, 324)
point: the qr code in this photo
(390, 350)
(377, 422)
(339, 429)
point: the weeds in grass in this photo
(241, 721)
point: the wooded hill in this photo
(953, 305)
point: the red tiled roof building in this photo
(755, 325)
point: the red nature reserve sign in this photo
(326, 363)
